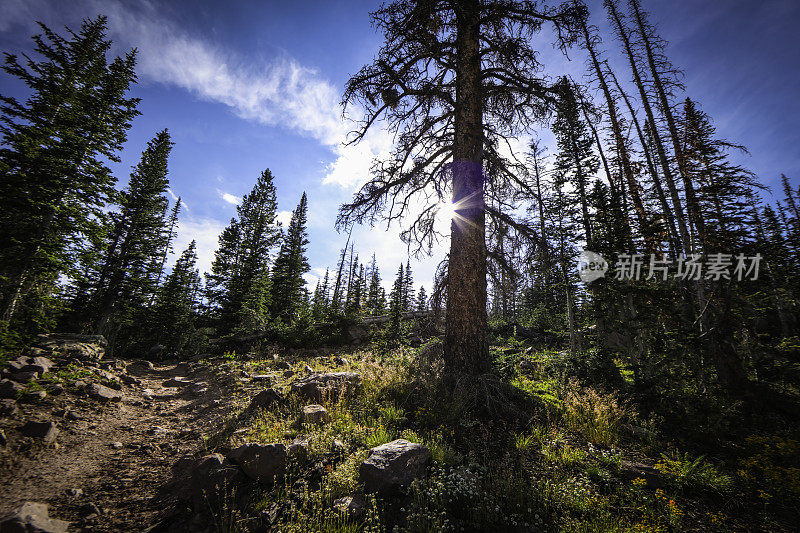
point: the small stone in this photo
(131, 381)
(10, 389)
(315, 414)
(88, 509)
(116, 445)
(34, 397)
(47, 431)
(8, 408)
(103, 393)
(75, 493)
(25, 376)
(32, 516)
(339, 361)
(177, 382)
(282, 365)
(298, 449)
(79, 384)
(350, 505)
(338, 447)
(262, 462)
(261, 377)
(308, 370)
(266, 399)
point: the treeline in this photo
(77, 254)
(646, 176)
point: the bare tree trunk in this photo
(466, 347)
(662, 199)
(622, 150)
(676, 200)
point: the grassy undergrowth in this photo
(528, 451)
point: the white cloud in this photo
(228, 197)
(284, 217)
(205, 232)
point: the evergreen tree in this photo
(172, 317)
(54, 182)
(422, 300)
(408, 288)
(290, 265)
(374, 304)
(396, 297)
(131, 265)
(238, 285)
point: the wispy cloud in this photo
(228, 197)
(284, 217)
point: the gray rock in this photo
(177, 382)
(140, 365)
(213, 478)
(350, 505)
(116, 445)
(131, 381)
(339, 360)
(338, 447)
(308, 370)
(32, 517)
(10, 389)
(283, 365)
(8, 408)
(298, 449)
(25, 377)
(75, 493)
(85, 347)
(103, 393)
(33, 397)
(47, 431)
(262, 378)
(317, 386)
(39, 364)
(315, 414)
(262, 462)
(266, 399)
(393, 465)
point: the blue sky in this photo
(248, 85)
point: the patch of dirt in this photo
(155, 427)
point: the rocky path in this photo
(103, 469)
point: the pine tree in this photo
(172, 317)
(54, 182)
(408, 287)
(396, 297)
(422, 300)
(238, 285)
(374, 303)
(290, 265)
(131, 263)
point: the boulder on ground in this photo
(8, 407)
(213, 479)
(10, 389)
(103, 393)
(266, 399)
(25, 377)
(316, 386)
(32, 517)
(315, 414)
(47, 431)
(298, 449)
(131, 380)
(86, 347)
(155, 352)
(393, 465)
(351, 505)
(177, 382)
(262, 462)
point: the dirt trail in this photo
(154, 429)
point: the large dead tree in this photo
(454, 81)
